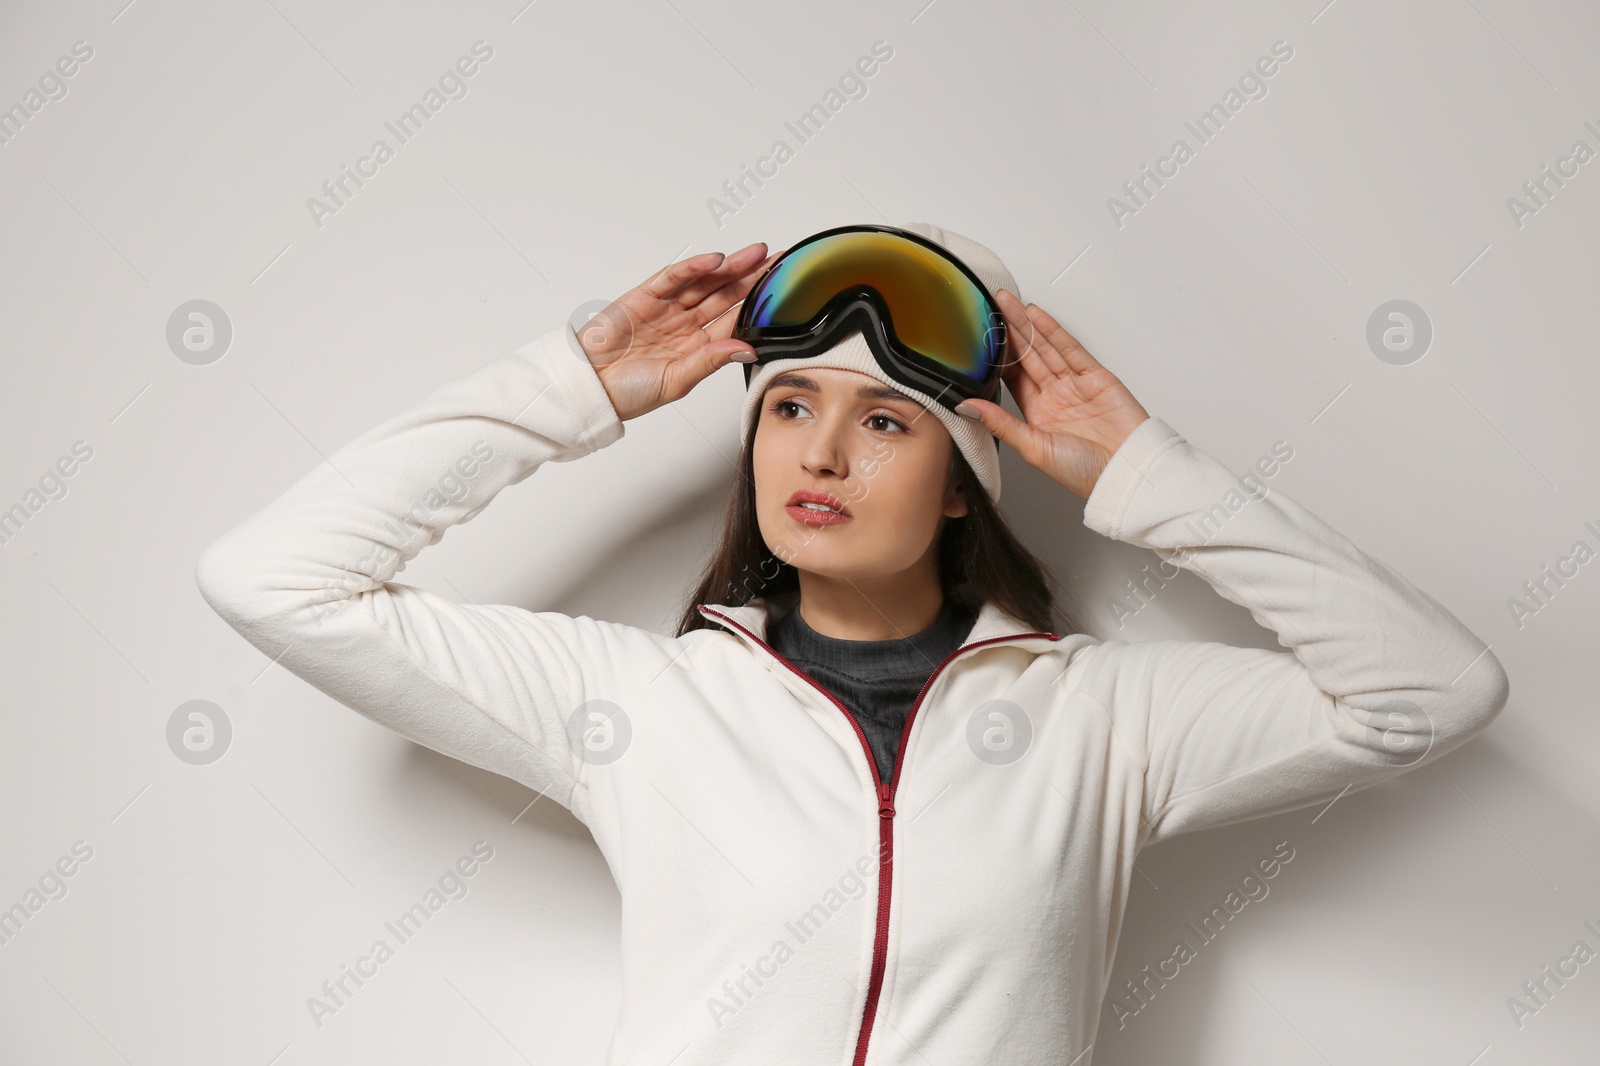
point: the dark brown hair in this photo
(980, 559)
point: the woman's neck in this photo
(880, 611)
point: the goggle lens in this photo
(935, 308)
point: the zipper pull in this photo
(885, 802)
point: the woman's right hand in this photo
(654, 343)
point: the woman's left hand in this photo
(1076, 413)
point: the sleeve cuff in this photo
(582, 394)
(1126, 473)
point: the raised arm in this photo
(307, 579)
(1379, 677)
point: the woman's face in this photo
(876, 451)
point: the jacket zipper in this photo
(886, 811)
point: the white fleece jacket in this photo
(778, 906)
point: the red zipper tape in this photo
(886, 811)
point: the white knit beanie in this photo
(977, 444)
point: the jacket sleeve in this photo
(307, 579)
(1379, 677)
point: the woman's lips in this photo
(811, 516)
(830, 512)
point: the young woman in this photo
(865, 805)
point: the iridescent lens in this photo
(936, 309)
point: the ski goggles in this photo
(930, 322)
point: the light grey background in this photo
(586, 155)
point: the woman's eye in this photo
(781, 409)
(886, 418)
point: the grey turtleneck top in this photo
(877, 680)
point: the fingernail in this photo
(744, 357)
(966, 410)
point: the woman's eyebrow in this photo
(882, 392)
(865, 392)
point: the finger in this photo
(727, 319)
(1022, 387)
(731, 270)
(1005, 427)
(1076, 356)
(670, 279)
(722, 327)
(1021, 334)
(1042, 343)
(1024, 342)
(684, 374)
(733, 291)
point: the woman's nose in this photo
(826, 449)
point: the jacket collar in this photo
(993, 625)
